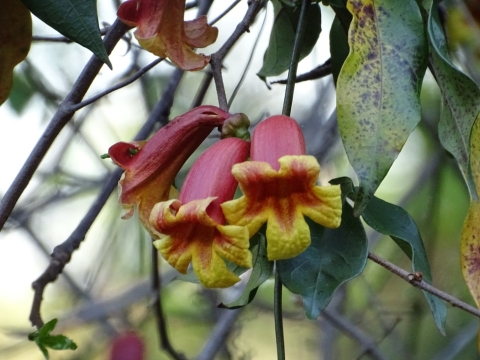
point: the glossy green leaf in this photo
(279, 52)
(334, 257)
(44, 340)
(339, 48)
(76, 19)
(378, 87)
(261, 271)
(395, 222)
(460, 100)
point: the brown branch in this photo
(369, 345)
(120, 85)
(62, 253)
(59, 121)
(219, 334)
(319, 72)
(217, 58)
(416, 281)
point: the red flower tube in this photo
(194, 224)
(151, 166)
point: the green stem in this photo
(277, 313)
(297, 46)
(287, 107)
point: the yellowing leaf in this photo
(378, 87)
(470, 243)
(15, 39)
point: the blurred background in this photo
(105, 290)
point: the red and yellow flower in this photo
(151, 166)
(194, 224)
(279, 189)
(162, 31)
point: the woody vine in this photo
(251, 208)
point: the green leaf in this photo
(76, 19)
(279, 52)
(44, 340)
(334, 256)
(262, 269)
(378, 87)
(460, 100)
(339, 48)
(394, 221)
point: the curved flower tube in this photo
(163, 32)
(279, 189)
(151, 166)
(194, 224)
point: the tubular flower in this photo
(279, 189)
(162, 31)
(194, 224)
(151, 166)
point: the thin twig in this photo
(247, 66)
(297, 46)
(219, 334)
(63, 252)
(120, 85)
(414, 280)
(61, 39)
(225, 12)
(319, 72)
(158, 308)
(58, 122)
(369, 345)
(216, 59)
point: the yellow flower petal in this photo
(281, 199)
(193, 236)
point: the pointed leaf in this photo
(279, 52)
(379, 86)
(43, 339)
(460, 100)
(76, 19)
(470, 242)
(394, 221)
(15, 39)
(334, 257)
(261, 271)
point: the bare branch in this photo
(58, 122)
(120, 85)
(219, 334)
(416, 281)
(369, 345)
(217, 58)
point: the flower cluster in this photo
(162, 31)
(205, 226)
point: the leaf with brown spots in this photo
(378, 87)
(470, 243)
(460, 100)
(15, 39)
